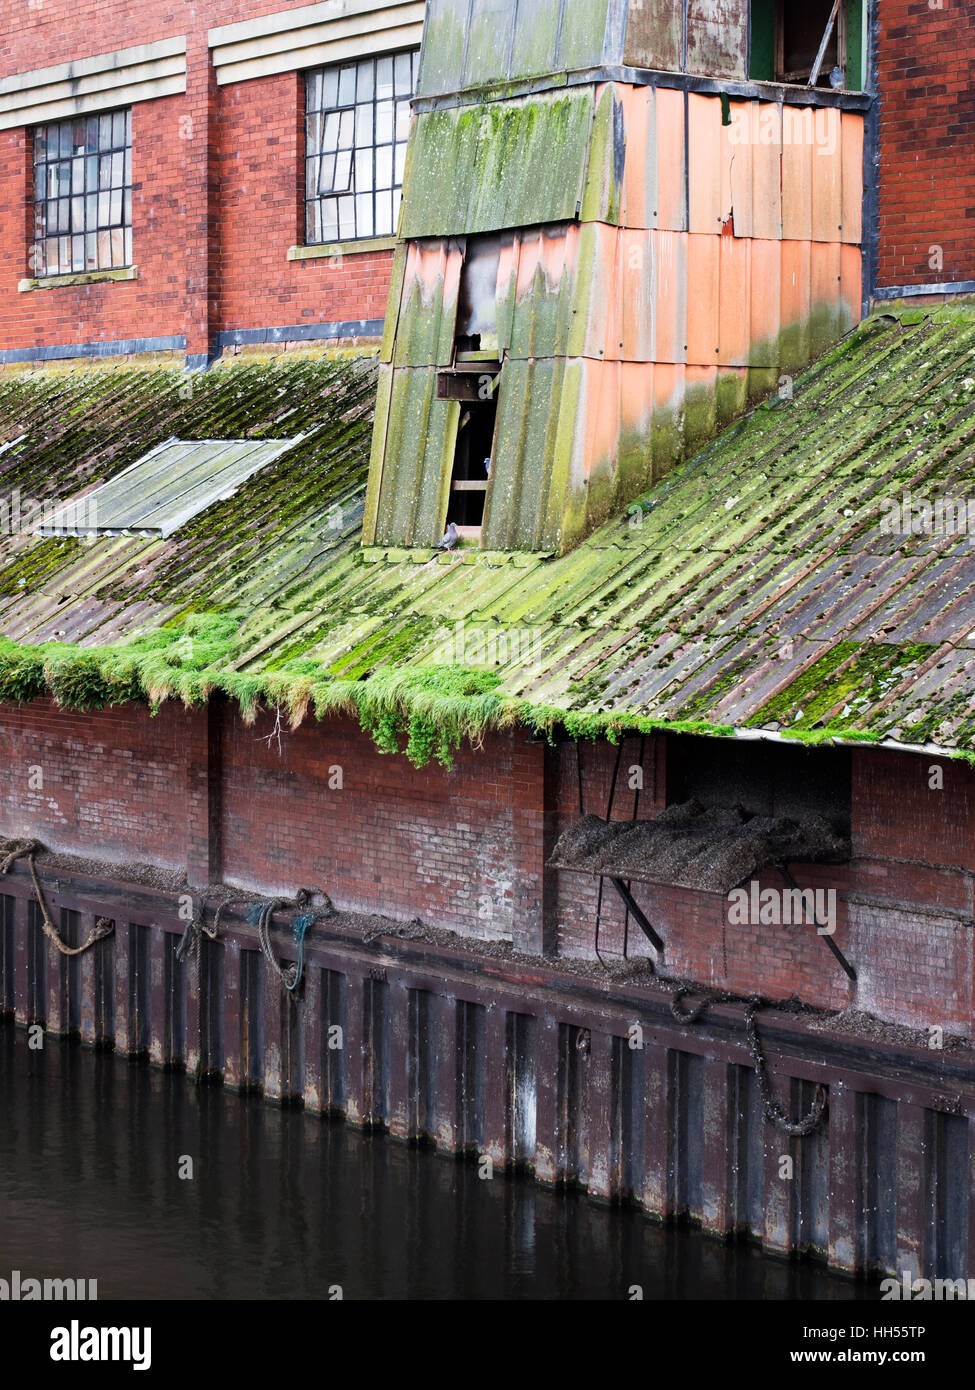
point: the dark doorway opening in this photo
(470, 475)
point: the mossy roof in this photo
(752, 590)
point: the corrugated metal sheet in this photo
(500, 164)
(166, 488)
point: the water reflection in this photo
(283, 1205)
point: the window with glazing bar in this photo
(83, 194)
(357, 119)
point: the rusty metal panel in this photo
(654, 37)
(717, 38)
(496, 165)
(702, 299)
(798, 137)
(671, 296)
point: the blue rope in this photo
(299, 926)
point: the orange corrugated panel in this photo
(851, 283)
(852, 177)
(767, 175)
(638, 302)
(765, 303)
(736, 166)
(669, 107)
(734, 316)
(795, 285)
(636, 397)
(603, 400)
(704, 156)
(703, 295)
(826, 181)
(824, 276)
(640, 171)
(797, 176)
(670, 321)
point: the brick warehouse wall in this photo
(466, 850)
(216, 176)
(926, 77)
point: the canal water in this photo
(283, 1205)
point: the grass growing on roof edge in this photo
(424, 712)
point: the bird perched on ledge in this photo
(449, 539)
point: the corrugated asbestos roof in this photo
(161, 492)
(755, 586)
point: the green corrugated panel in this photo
(420, 442)
(583, 34)
(604, 181)
(488, 41)
(501, 164)
(442, 59)
(525, 440)
(536, 33)
(377, 454)
(425, 336)
(393, 303)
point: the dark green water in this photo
(285, 1205)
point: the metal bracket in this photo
(784, 871)
(641, 918)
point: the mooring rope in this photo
(11, 851)
(196, 927)
(775, 1112)
(260, 916)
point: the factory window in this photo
(357, 119)
(787, 36)
(83, 194)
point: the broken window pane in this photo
(82, 187)
(357, 122)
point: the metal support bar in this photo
(638, 913)
(814, 75)
(784, 871)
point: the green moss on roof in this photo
(752, 590)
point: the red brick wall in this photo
(394, 839)
(113, 782)
(260, 170)
(215, 202)
(926, 76)
(465, 849)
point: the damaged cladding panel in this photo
(714, 256)
(472, 43)
(165, 489)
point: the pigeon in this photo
(450, 538)
(487, 467)
(836, 77)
